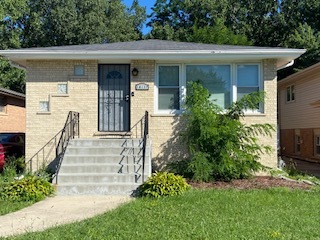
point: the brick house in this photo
(112, 85)
(12, 111)
(299, 114)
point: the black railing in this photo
(144, 141)
(46, 155)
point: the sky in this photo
(145, 3)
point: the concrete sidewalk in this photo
(55, 211)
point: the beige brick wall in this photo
(41, 85)
(13, 119)
(42, 80)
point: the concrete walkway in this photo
(55, 211)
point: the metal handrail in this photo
(69, 131)
(144, 140)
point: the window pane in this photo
(168, 98)
(78, 70)
(44, 106)
(247, 75)
(292, 93)
(168, 75)
(245, 90)
(216, 78)
(62, 88)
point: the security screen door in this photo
(114, 97)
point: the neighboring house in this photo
(12, 111)
(112, 85)
(299, 114)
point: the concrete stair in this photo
(103, 166)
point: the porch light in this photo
(135, 72)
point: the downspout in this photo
(289, 64)
(13, 64)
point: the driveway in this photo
(311, 168)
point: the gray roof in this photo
(12, 93)
(152, 44)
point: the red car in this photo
(11, 144)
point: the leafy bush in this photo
(163, 184)
(220, 145)
(18, 163)
(29, 188)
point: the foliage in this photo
(220, 145)
(262, 23)
(163, 184)
(54, 23)
(17, 163)
(29, 188)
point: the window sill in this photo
(43, 113)
(3, 114)
(165, 114)
(60, 95)
(292, 101)
(255, 114)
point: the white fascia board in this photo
(284, 55)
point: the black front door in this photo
(114, 97)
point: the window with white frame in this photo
(290, 93)
(62, 88)
(44, 106)
(226, 83)
(168, 87)
(247, 79)
(216, 78)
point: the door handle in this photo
(127, 97)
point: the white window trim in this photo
(291, 100)
(260, 86)
(183, 84)
(181, 91)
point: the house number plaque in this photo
(142, 86)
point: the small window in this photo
(317, 145)
(44, 106)
(290, 93)
(3, 104)
(297, 143)
(62, 88)
(169, 88)
(79, 70)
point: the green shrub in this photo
(163, 184)
(18, 163)
(29, 188)
(221, 146)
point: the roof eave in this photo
(283, 55)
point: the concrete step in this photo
(100, 168)
(136, 142)
(103, 166)
(96, 189)
(99, 178)
(122, 151)
(93, 159)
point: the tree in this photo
(45, 23)
(11, 13)
(66, 22)
(221, 147)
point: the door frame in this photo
(129, 93)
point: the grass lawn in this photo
(9, 206)
(204, 214)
